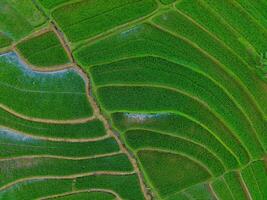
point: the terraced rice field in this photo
(133, 99)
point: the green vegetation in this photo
(14, 145)
(19, 18)
(35, 188)
(88, 195)
(158, 165)
(49, 95)
(91, 129)
(179, 86)
(119, 184)
(84, 19)
(44, 50)
(31, 167)
(4, 40)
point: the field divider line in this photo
(83, 191)
(47, 121)
(96, 173)
(55, 139)
(244, 186)
(213, 193)
(62, 157)
(223, 67)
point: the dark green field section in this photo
(44, 187)
(44, 50)
(84, 19)
(88, 195)
(91, 129)
(188, 84)
(14, 145)
(56, 95)
(19, 18)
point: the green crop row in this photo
(12, 170)
(144, 40)
(84, 19)
(126, 186)
(172, 20)
(158, 99)
(178, 125)
(44, 50)
(142, 139)
(50, 95)
(255, 178)
(88, 195)
(246, 25)
(49, 186)
(91, 129)
(13, 145)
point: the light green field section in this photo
(56, 95)
(19, 18)
(44, 50)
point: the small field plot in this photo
(58, 95)
(44, 50)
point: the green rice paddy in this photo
(133, 99)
